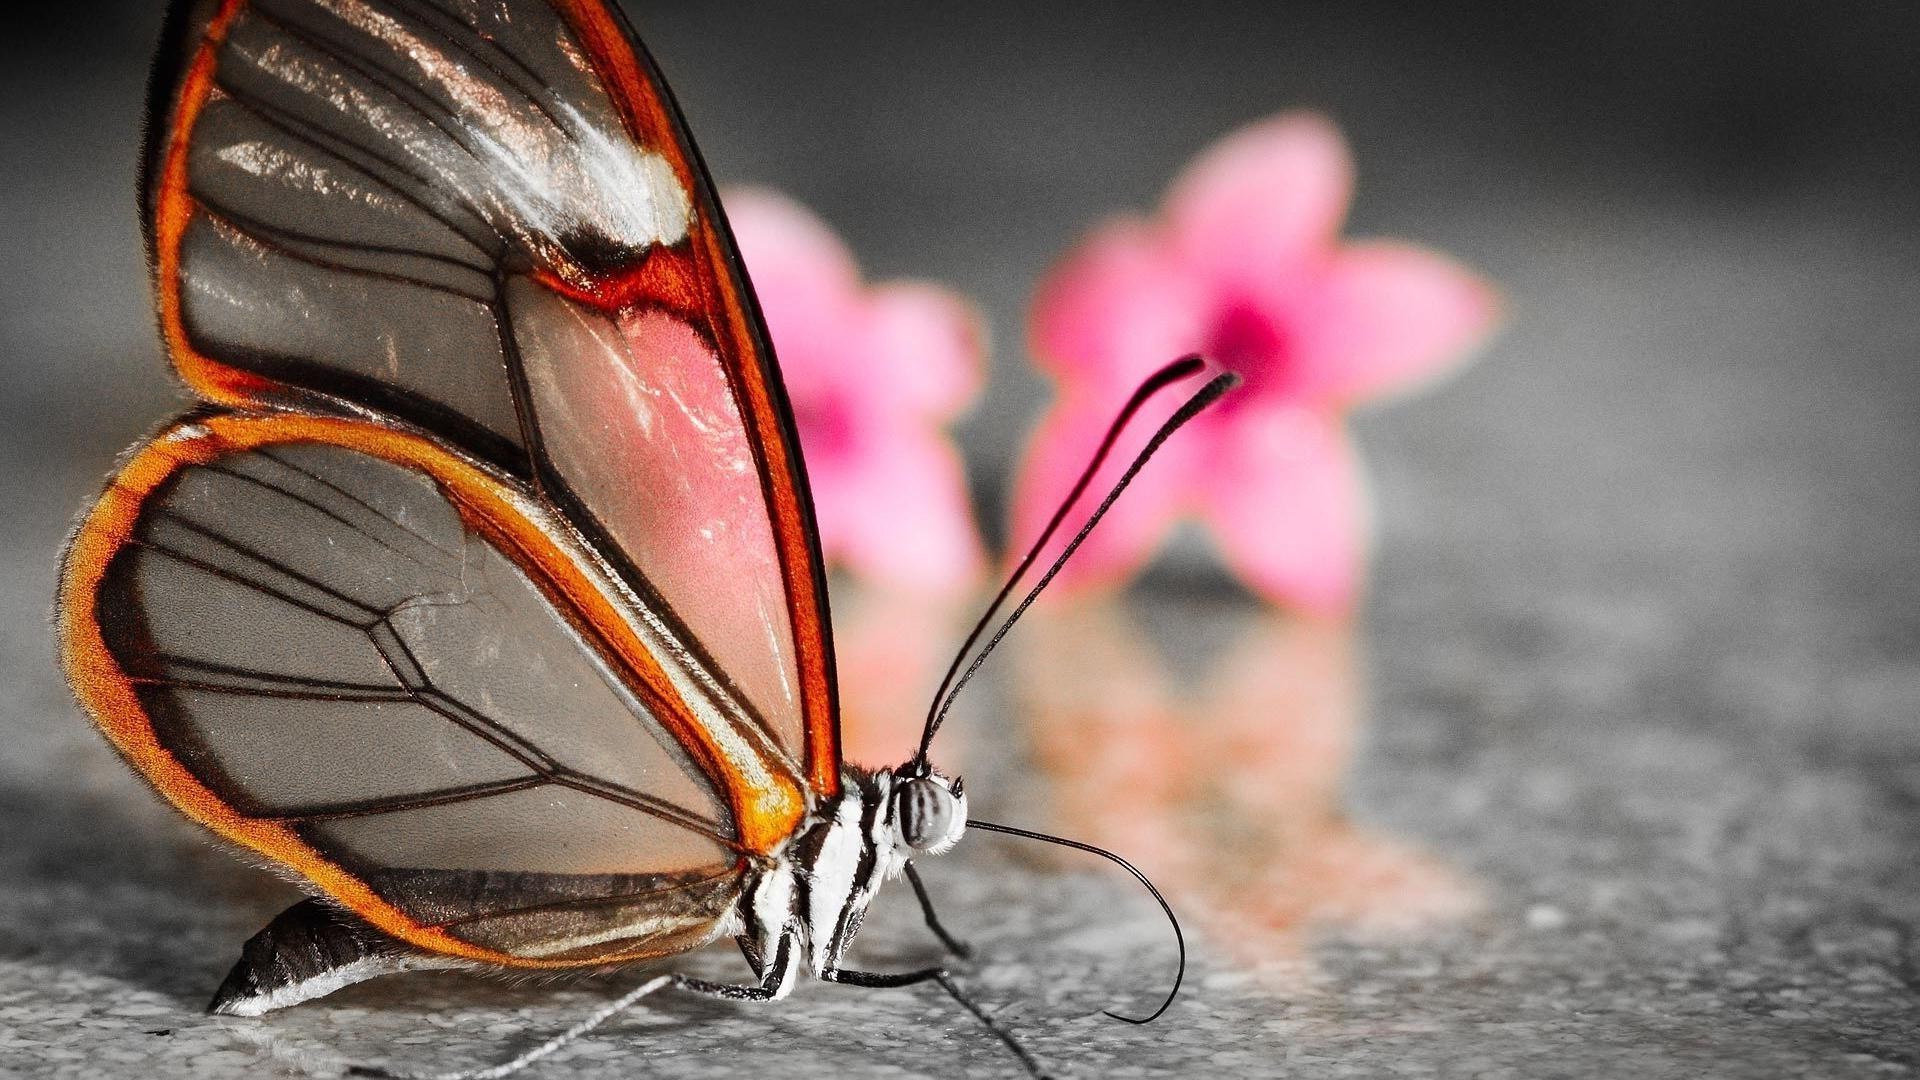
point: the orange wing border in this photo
(767, 807)
(670, 278)
(735, 324)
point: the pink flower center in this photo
(1251, 343)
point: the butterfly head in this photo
(928, 812)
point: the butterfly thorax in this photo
(804, 909)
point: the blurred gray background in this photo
(1644, 636)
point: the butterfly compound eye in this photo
(927, 813)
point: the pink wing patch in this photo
(636, 416)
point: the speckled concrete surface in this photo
(1641, 668)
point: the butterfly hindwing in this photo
(355, 653)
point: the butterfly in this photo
(481, 594)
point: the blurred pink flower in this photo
(1245, 266)
(874, 374)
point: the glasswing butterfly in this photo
(482, 594)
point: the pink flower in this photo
(1245, 266)
(874, 373)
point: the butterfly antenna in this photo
(1159, 380)
(950, 686)
(1179, 939)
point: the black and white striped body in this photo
(801, 914)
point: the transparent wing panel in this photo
(318, 638)
(635, 414)
(358, 178)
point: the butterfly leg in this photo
(881, 980)
(774, 983)
(939, 975)
(751, 951)
(954, 945)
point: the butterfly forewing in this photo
(340, 645)
(644, 444)
(484, 220)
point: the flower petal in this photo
(807, 283)
(1118, 307)
(1287, 509)
(783, 243)
(1263, 203)
(1138, 521)
(870, 374)
(1386, 316)
(925, 345)
(901, 518)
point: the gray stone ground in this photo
(1640, 658)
